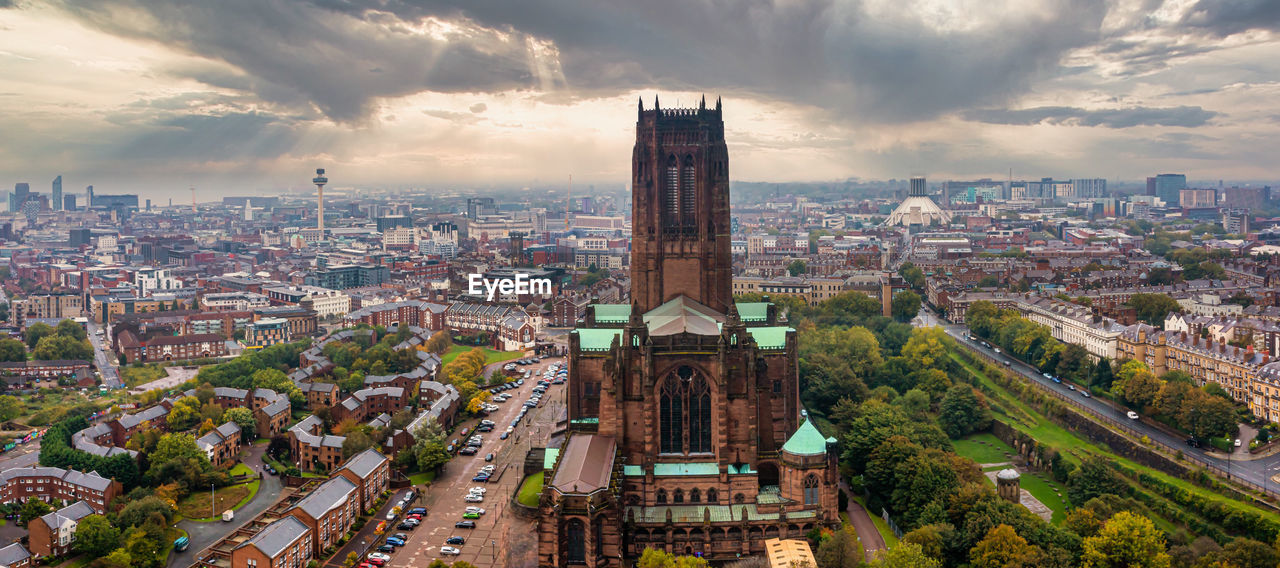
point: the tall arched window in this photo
(711, 495)
(695, 496)
(688, 192)
(575, 542)
(671, 192)
(678, 496)
(662, 496)
(811, 490)
(684, 413)
(597, 536)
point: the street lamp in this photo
(213, 507)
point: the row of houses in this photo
(510, 327)
(52, 534)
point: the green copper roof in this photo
(695, 468)
(753, 311)
(596, 339)
(612, 313)
(632, 471)
(807, 441)
(549, 458)
(740, 469)
(774, 337)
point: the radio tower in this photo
(193, 199)
(320, 180)
(568, 203)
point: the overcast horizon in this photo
(238, 96)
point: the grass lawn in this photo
(994, 450)
(886, 533)
(530, 490)
(1070, 445)
(490, 356)
(424, 478)
(196, 506)
(1040, 489)
(241, 469)
(135, 375)
(79, 561)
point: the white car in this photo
(380, 556)
(479, 490)
(450, 550)
(1133, 415)
(476, 510)
(391, 515)
(1237, 442)
(474, 498)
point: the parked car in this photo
(385, 548)
(478, 490)
(471, 515)
(489, 457)
(379, 556)
(468, 451)
(1237, 442)
(464, 525)
(406, 526)
(401, 536)
(1071, 387)
(417, 510)
(475, 510)
(480, 479)
(393, 541)
(377, 561)
(450, 550)
(474, 498)
(504, 435)
(455, 540)
(1133, 415)
(1085, 393)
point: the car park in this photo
(464, 525)
(455, 540)
(450, 550)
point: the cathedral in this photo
(685, 426)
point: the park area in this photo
(197, 507)
(491, 356)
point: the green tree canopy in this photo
(963, 412)
(35, 332)
(1126, 540)
(95, 536)
(12, 351)
(905, 305)
(59, 347)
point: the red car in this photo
(365, 565)
(376, 562)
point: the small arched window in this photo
(679, 496)
(662, 496)
(711, 495)
(695, 496)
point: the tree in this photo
(1248, 553)
(32, 509)
(10, 407)
(95, 536)
(35, 332)
(927, 347)
(1102, 375)
(1126, 540)
(1207, 416)
(475, 405)
(178, 446)
(840, 550)
(119, 558)
(1082, 522)
(243, 417)
(136, 512)
(1003, 548)
(356, 442)
(68, 328)
(273, 379)
(905, 305)
(796, 267)
(655, 558)
(1140, 390)
(905, 555)
(1153, 308)
(963, 412)
(58, 347)
(429, 446)
(12, 351)
(182, 417)
(1094, 477)
(912, 274)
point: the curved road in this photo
(1256, 471)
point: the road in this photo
(103, 359)
(1257, 471)
(202, 535)
(498, 535)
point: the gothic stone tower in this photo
(685, 428)
(680, 208)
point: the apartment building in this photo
(19, 484)
(221, 445)
(369, 402)
(285, 543)
(312, 448)
(371, 472)
(1074, 324)
(46, 306)
(15, 556)
(171, 347)
(812, 290)
(52, 534)
(328, 512)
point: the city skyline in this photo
(149, 98)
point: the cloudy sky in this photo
(244, 95)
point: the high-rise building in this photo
(1198, 198)
(56, 202)
(685, 427)
(477, 206)
(1167, 187)
(69, 203)
(21, 192)
(1090, 187)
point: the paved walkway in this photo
(871, 540)
(202, 535)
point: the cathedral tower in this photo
(680, 208)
